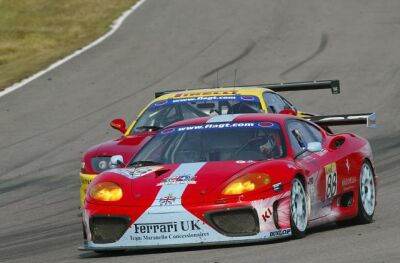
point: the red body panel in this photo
(205, 195)
(127, 146)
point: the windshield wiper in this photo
(149, 127)
(143, 163)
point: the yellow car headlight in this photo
(247, 183)
(106, 191)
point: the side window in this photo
(315, 132)
(274, 102)
(287, 104)
(299, 135)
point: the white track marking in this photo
(113, 28)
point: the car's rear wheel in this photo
(298, 209)
(367, 194)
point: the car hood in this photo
(183, 183)
(127, 146)
(121, 145)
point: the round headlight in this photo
(247, 183)
(101, 163)
(106, 191)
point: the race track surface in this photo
(46, 125)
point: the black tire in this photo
(109, 252)
(365, 214)
(297, 224)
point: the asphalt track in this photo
(46, 125)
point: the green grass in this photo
(35, 33)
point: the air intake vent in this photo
(234, 222)
(107, 229)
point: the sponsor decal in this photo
(168, 230)
(160, 103)
(179, 179)
(201, 99)
(170, 236)
(167, 200)
(349, 181)
(168, 130)
(136, 172)
(188, 98)
(86, 181)
(248, 98)
(281, 232)
(277, 187)
(244, 161)
(205, 93)
(348, 165)
(267, 214)
(321, 153)
(331, 180)
(167, 227)
(265, 124)
(221, 125)
(264, 208)
(311, 187)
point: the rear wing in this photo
(333, 85)
(346, 119)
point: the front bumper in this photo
(177, 226)
(85, 181)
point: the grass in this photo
(35, 33)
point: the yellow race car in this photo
(172, 106)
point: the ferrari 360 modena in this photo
(233, 179)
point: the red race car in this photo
(233, 179)
(172, 106)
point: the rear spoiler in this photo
(346, 119)
(160, 93)
(333, 85)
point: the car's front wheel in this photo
(298, 209)
(367, 194)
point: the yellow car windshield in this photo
(165, 112)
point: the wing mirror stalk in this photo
(311, 147)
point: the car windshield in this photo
(163, 113)
(215, 142)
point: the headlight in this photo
(247, 183)
(106, 191)
(101, 164)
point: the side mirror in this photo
(117, 161)
(288, 111)
(314, 147)
(118, 124)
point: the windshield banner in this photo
(205, 99)
(218, 126)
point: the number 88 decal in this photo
(331, 180)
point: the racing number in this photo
(331, 180)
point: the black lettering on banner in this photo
(331, 180)
(278, 233)
(169, 227)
